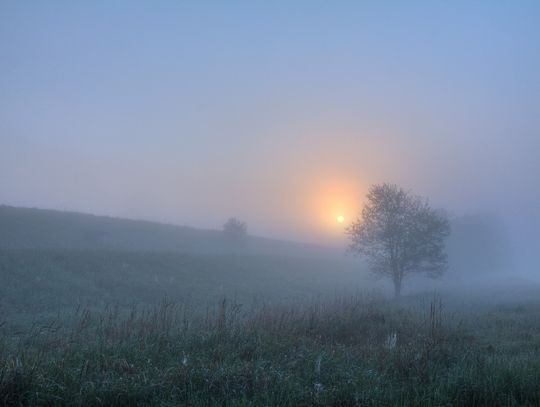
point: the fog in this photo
(281, 115)
(280, 203)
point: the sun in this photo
(340, 219)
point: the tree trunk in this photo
(397, 287)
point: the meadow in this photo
(48, 284)
(246, 326)
(356, 350)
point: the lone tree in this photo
(400, 234)
(235, 229)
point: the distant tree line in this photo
(479, 244)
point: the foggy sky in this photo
(281, 114)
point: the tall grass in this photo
(342, 351)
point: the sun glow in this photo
(333, 201)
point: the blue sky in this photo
(281, 114)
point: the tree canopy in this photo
(399, 234)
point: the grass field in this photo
(42, 283)
(357, 350)
(125, 328)
(89, 326)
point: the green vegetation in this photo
(38, 284)
(243, 326)
(400, 234)
(356, 350)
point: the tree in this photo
(400, 234)
(479, 244)
(235, 229)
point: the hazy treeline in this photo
(479, 245)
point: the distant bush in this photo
(235, 229)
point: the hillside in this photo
(52, 261)
(26, 228)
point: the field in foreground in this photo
(40, 285)
(359, 350)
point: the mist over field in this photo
(240, 203)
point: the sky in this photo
(280, 113)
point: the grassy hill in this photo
(51, 261)
(26, 228)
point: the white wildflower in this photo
(391, 341)
(318, 366)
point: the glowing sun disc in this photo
(340, 219)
